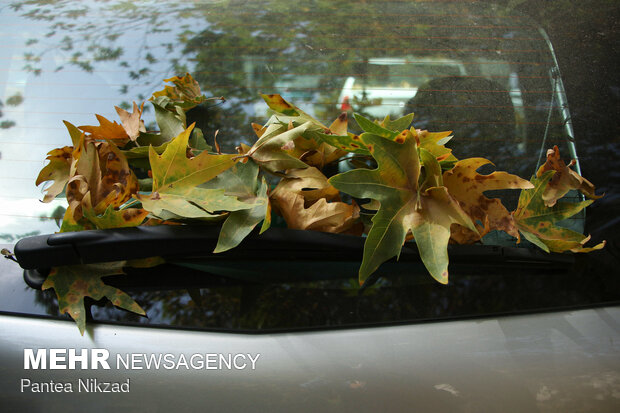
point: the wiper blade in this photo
(185, 242)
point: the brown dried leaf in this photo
(563, 180)
(335, 217)
(131, 121)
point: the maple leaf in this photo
(176, 180)
(425, 208)
(563, 180)
(536, 221)
(73, 283)
(131, 121)
(241, 181)
(468, 187)
(185, 93)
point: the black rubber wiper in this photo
(185, 242)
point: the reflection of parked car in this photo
(389, 83)
(515, 329)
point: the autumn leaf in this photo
(564, 180)
(335, 217)
(107, 130)
(56, 170)
(71, 224)
(61, 165)
(397, 125)
(308, 182)
(176, 180)
(185, 93)
(112, 218)
(241, 181)
(317, 152)
(425, 208)
(102, 173)
(131, 122)
(536, 221)
(468, 187)
(73, 283)
(270, 151)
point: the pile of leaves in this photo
(403, 183)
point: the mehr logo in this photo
(62, 359)
(97, 358)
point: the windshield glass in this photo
(510, 80)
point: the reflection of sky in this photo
(69, 94)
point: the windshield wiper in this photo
(184, 242)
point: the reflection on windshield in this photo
(484, 72)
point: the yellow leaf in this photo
(468, 187)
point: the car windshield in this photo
(502, 77)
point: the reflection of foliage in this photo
(14, 100)
(16, 237)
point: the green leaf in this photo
(398, 124)
(111, 218)
(350, 143)
(73, 283)
(184, 94)
(241, 181)
(369, 126)
(268, 151)
(404, 205)
(170, 124)
(176, 179)
(536, 221)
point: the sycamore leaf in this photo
(468, 187)
(70, 224)
(185, 92)
(241, 181)
(102, 175)
(335, 217)
(563, 180)
(107, 130)
(536, 221)
(405, 204)
(56, 170)
(268, 150)
(131, 121)
(397, 125)
(369, 126)
(434, 142)
(316, 152)
(279, 105)
(73, 283)
(112, 218)
(308, 182)
(171, 124)
(176, 178)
